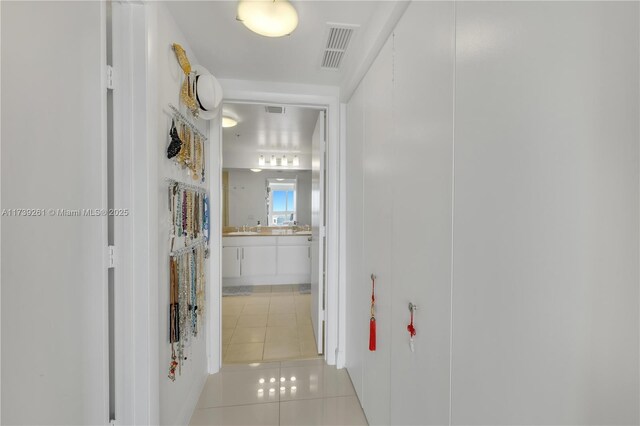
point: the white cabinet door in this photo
(230, 262)
(258, 261)
(294, 260)
(421, 260)
(377, 190)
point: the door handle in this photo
(242, 253)
(237, 254)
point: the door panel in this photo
(421, 256)
(546, 214)
(54, 277)
(377, 197)
(317, 223)
(357, 292)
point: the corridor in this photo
(310, 212)
(306, 392)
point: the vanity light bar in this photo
(284, 161)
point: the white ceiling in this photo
(264, 132)
(259, 132)
(230, 51)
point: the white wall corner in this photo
(380, 27)
(191, 402)
(214, 311)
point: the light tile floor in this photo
(273, 323)
(303, 392)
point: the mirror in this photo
(270, 197)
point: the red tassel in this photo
(372, 334)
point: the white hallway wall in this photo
(528, 216)
(247, 192)
(54, 288)
(177, 399)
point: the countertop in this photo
(266, 232)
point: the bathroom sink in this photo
(242, 233)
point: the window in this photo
(281, 201)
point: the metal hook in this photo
(412, 307)
(373, 277)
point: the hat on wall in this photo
(208, 93)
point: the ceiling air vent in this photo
(338, 38)
(272, 109)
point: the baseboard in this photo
(267, 280)
(340, 359)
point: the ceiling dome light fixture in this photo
(228, 122)
(269, 18)
(256, 170)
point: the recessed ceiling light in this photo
(256, 170)
(228, 122)
(270, 18)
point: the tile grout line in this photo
(264, 343)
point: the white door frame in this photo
(287, 94)
(135, 186)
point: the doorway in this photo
(273, 184)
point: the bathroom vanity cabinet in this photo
(266, 260)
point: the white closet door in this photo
(545, 295)
(357, 289)
(378, 198)
(54, 275)
(422, 164)
(318, 287)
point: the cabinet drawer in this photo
(249, 241)
(298, 240)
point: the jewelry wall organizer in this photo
(189, 210)
(186, 145)
(186, 300)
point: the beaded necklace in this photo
(184, 213)
(192, 294)
(200, 301)
(205, 219)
